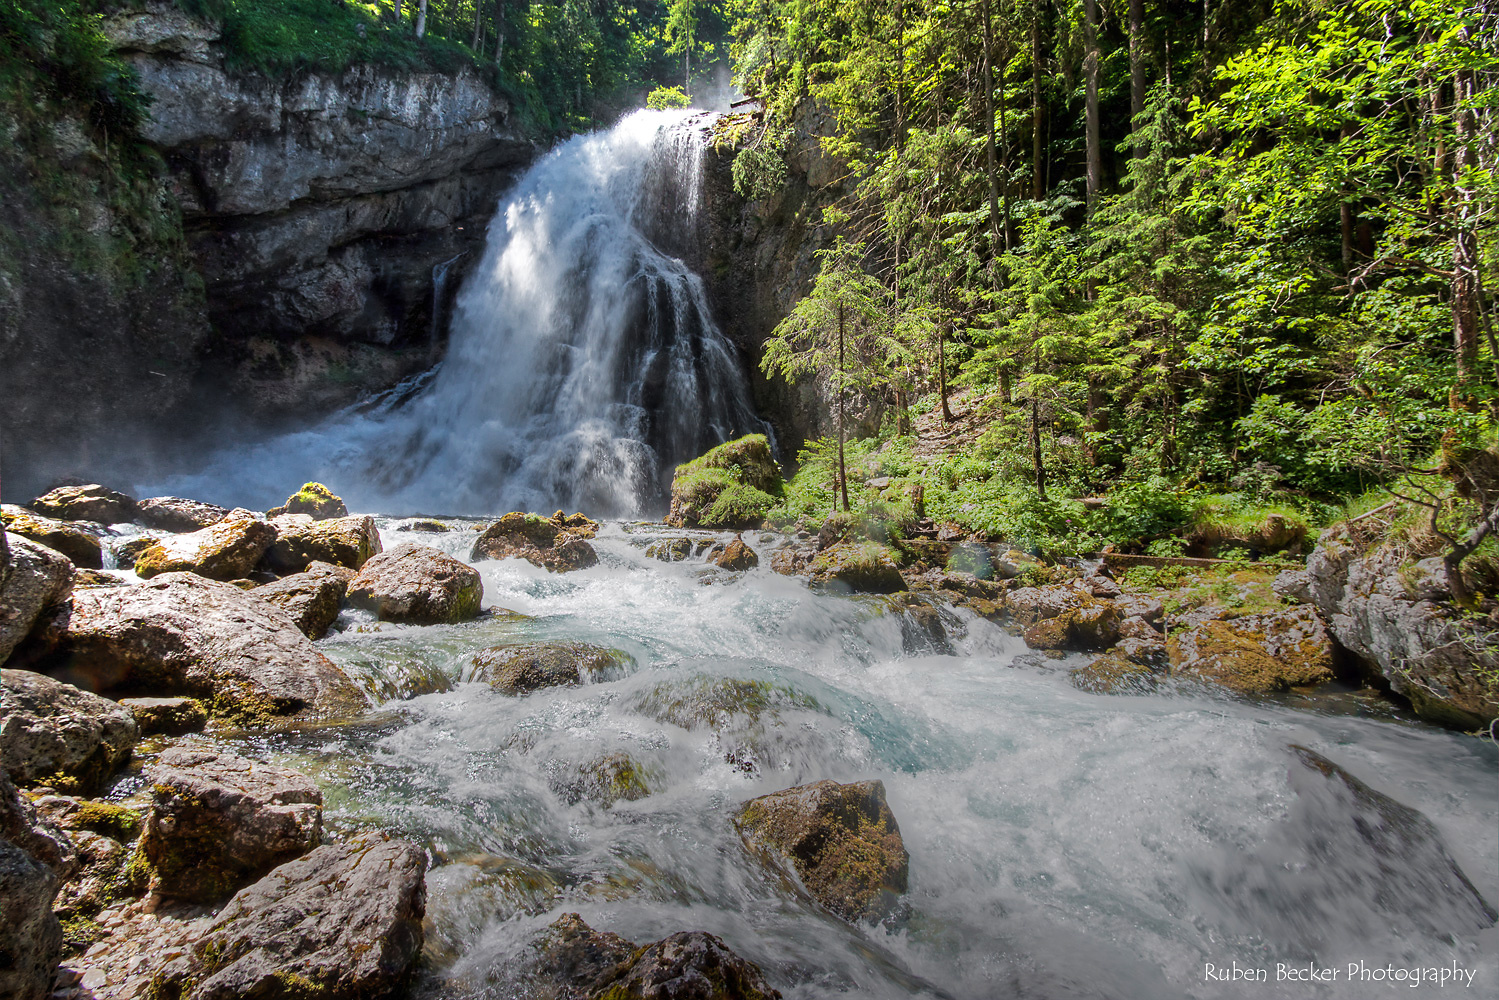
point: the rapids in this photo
(1062, 844)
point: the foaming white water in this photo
(1063, 844)
(583, 361)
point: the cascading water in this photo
(583, 361)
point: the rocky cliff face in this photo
(325, 221)
(1397, 618)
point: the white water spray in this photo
(583, 362)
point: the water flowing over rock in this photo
(34, 578)
(417, 584)
(219, 821)
(526, 667)
(182, 634)
(558, 543)
(583, 364)
(54, 733)
(842, 840)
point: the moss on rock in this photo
(314, 500)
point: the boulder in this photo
(313, 499)
(310, 598)
(60, 536)
(23, 825)
(423, 524)
(520, 668)
(183, 634)
(98, 578)
(168, 716)
(178, 514)
(417, 584)
(34, 858)
(585, 964)
(1385, 610)
(85, 503)
(36, 578)
(228, 550)
(924, 626)
(670, 549)
(856, 567)
(126, 552)
(1256, 654)
(606, 779)
(732, 486)
(219, 821)
(342, 923)
(557, 544)
(737, 556)
(1062, 617)
(841, 840)
(301, 541)
(53, 733)
(1116, 672)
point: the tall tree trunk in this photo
(1038, 108)
(421, 19)
(989, 157)
(947, 416)
(1090, 71)
(1466, 297)
(399, 12)
(1036, 463)
(478, 24)
(1004, 135)
(842, 465)
(1136, 62)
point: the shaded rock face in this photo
(344, 922)
(526, 667)
(59, 536)
(30, 935)
(54, 733)
(23, 825)
(181, 634)
(1403, 628)
(85, 503)
(586, 964)
(1255, 654)
(227, 550)
(557, 544)
(842, 841)
(177, 514)
(34, 578)
(301, 541)
(169, 716)
(417, 584)
(219, 821)
(310, 598)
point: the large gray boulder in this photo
(219, 821)
(35, 578)
(310, 598)
(178, 514)
(226, 550)
(72, 541)
(841, 841)
(182, 634)
(53, 733)
(85, 503)
(1256, 654)
(342, 923)
(417, 584)
(30, 935)
(301, 541)
(1398, 618)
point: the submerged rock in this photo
(53, 733)
(227, 550)
(301, 541)
(417, 584)
(841, 840)
(169, 716)
(605, 780)
(85, 503)
(313, 499)
(35, 578)
(857, 567)
(342, 923)
(219, 821)
(1256, 654)
(587, 964)
(310, 598)
(1116, 672)
(557, 544)
(178, 514)
(182, 634)
(59, 536)
(526, 667)
(670, 549)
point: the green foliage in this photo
(739, 506)
(54, 55)
(666, 98)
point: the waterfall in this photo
(583, 362)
